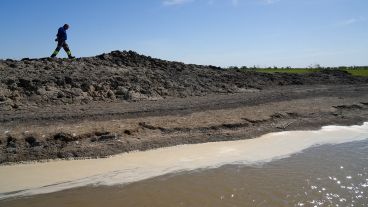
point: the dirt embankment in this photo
(129, 76)
(123, 101)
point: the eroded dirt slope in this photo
(109, 128)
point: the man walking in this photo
(61, 39)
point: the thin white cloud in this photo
(350, 21)
(232, 2)
(266, 2)
(212, 2)
(175, 2)
(235, 2)
(269, 1)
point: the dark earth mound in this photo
(129, 76)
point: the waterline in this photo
(31, 179)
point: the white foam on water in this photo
(39, 178)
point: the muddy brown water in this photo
(324, 168)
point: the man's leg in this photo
(59, 46)
(67, 50)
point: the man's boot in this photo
(70, 56)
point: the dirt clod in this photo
(11, 142)
(65, 137)
(32, 141)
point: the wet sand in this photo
(39, 178)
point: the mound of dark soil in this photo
(129, 76)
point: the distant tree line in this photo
(316, 66)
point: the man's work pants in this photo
(62, 44)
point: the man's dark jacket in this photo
(61, 35)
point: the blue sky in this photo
(217, 32)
